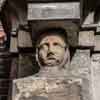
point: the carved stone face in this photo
(51, 50)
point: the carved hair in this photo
(50, 31)
(61, 32)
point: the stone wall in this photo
(83, 80)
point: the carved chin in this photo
(51, 62)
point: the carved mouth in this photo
(51, 58)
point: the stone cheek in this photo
(46, 89)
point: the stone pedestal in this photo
(32, 88)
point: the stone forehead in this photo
(52, 38)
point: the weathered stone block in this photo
(54, 11)
(86, 38)
(97, 43)
(13, 45)
(80, 64)
(95, 76)
(32, 88)
(98, 29)
(24, 39)
(80, 68)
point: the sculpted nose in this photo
(50, 49)
(50, 54)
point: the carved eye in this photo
(56, 44)
(44, 46)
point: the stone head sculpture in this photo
(52, 48)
